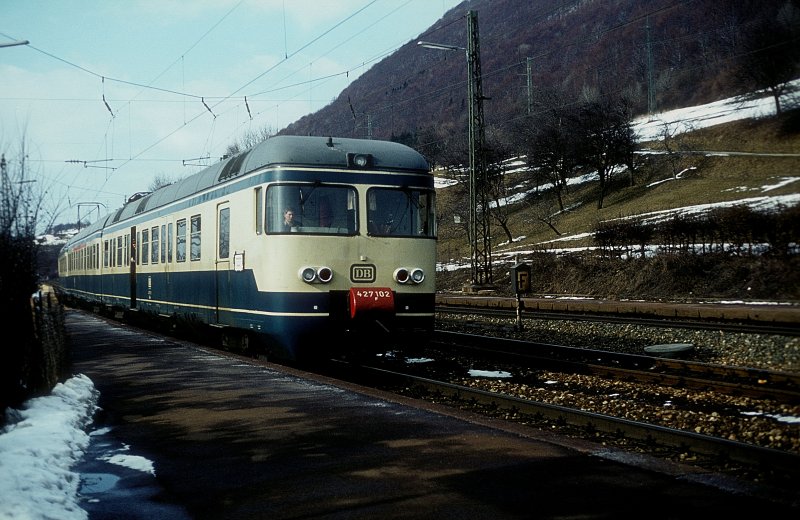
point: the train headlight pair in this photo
(407, 275)
(316, 274)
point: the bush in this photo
(673, 277)
(33, 363)
(736, 230)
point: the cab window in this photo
(404, 212)
(311, 209)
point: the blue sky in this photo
(111, 94)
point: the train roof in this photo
(280, 150)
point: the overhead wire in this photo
(216, 101)
(224, 98)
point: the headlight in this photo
(359, 160)
(405, 275)
(308, 274)
(325, 274)
(401, 275)
(316, 274)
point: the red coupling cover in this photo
(368, 299)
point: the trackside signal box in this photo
(521, 278)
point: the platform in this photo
(238, 438)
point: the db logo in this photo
(364, 273)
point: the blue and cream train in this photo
(358, 262)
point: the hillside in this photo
(707, 179)
(658, 54)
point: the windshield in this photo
(401, 212)
(311, 208)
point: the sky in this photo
(109, 95)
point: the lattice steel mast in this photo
(479, 228)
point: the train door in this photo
(165, 258)
(223, 260)
(133, 259)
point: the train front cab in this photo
(361, 260)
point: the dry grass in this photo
(712, 179)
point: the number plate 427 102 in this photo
(371, 299)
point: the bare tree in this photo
(497, 189)
(675, 145)
(606, 138)
(18, 271)
(249, 140)
(552, 147)
(433, 142)
(771, 60)
(159, 181)
(543, 209)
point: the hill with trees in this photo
(656, 55)
(562, 83)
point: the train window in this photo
(224, 232)
(119, 250)
(407, 212)
(163, 243)
(180, 244)
(259, 210)
(145, 245)
(127, 249)
(154, 244)
(169, 242)
(194, 251)
(316, 209)
(105, 253)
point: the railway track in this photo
(506, 308)
(717, 445)
(654, 439)
(737, 381)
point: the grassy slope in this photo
(714, 179)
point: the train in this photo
(354, 268)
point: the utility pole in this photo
(93, 204)
(5, 197)
(478, 183)
(651, 93)
(529, 75)
(479, 188)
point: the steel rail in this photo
(718, 449)
(736, 381)
(662, 322)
